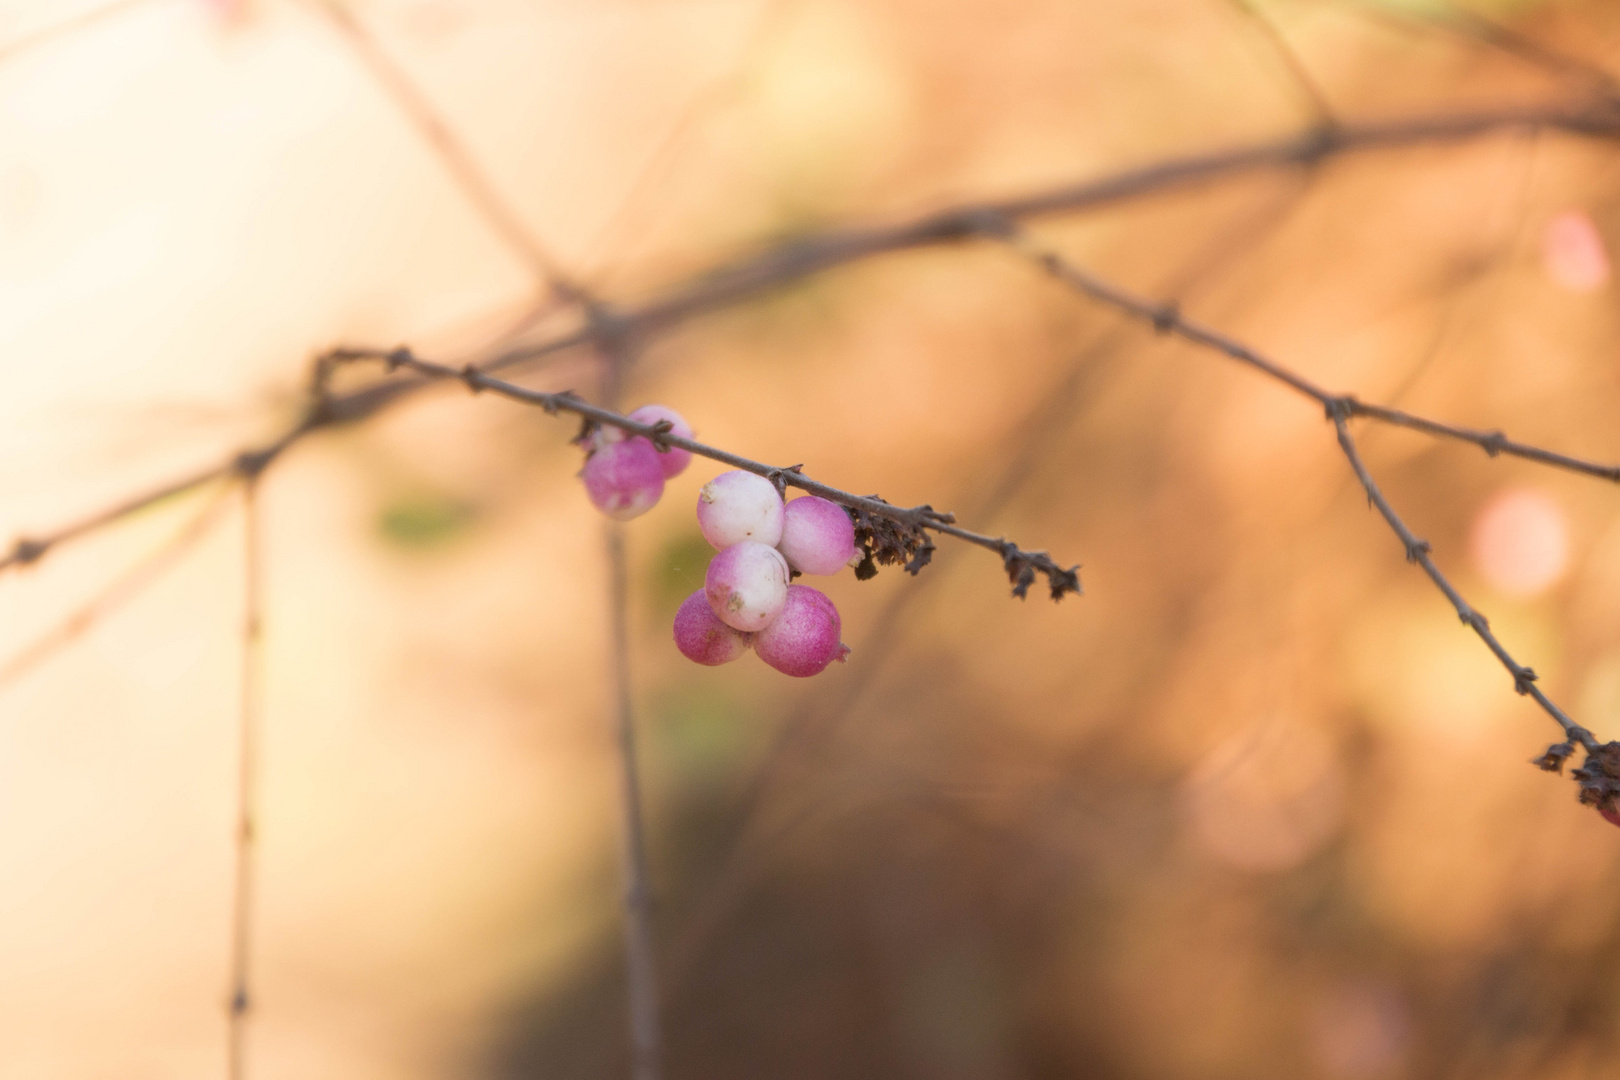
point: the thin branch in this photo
(1417, 551)
(1310, 91)
(640, 948)
(457, 159)
(1020, 564)
(241, 948)
(1340, 408)
(1477, 28)
(640, 956)
(1167, 318)
(784, 264)
(119, 592)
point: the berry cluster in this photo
(748, 599)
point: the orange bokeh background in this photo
(1254, 806)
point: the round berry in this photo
(705, 639)
(737, 506)
(624, 479)
(746, 585)
(817, 536)
(804, 638)
(675, 460)
(1611, 816)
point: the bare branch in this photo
(1316, 102)
(1167, 318)
(1340, 409)
(457, 159)
(1020, 564)
(786, 263)
(241, 947)
(115, 595)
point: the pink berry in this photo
(746, 585)
(705, 639)
(624, 479)
(804, 638)
(1610, 816)
(817, 536)
(737, 506)
(675, 460)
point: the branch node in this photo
(1166, 316)
(251, 463)
(987, 222)
(1416, 550)
(1341, 407)
(659, 436)
(398, 358)
(1493, 443)
(550, 403)
(25, 551)
(473, 378)
(1523, 679)
(1318, 143)
(780, 477)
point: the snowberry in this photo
(624, 479)
(675, 460)
(817, 536)
(804, 637)
(747, 584)
(737, 506)
(702, 637)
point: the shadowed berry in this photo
(703, 638)
(624, 479)
(804, 638)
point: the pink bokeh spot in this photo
(1573, 252)
(1520, 542)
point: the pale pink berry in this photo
(817, 536)
(737, 506)
(804, 638)
(746, 585)
(705, 639)
(624, 479)
(675, 460)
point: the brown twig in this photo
(464, 169)
(120, 591)
(792, 261)
(1020, 564)
(241, 944)
(1600, 776)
